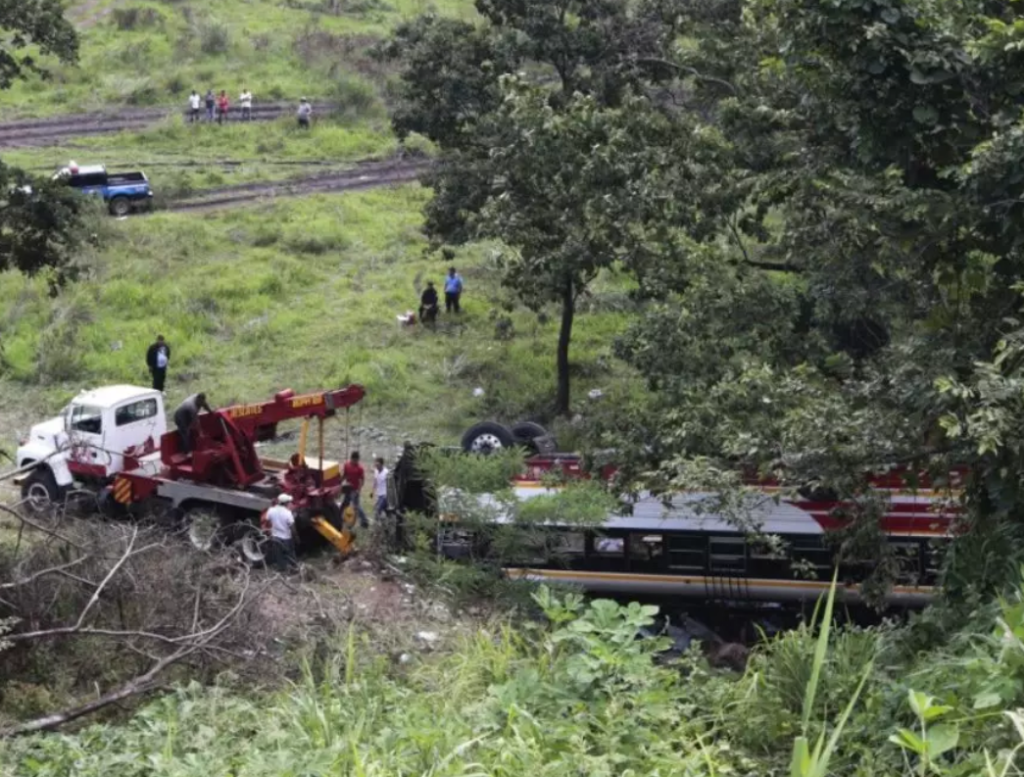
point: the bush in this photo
(134, 18)
(214, 38)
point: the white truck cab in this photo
(87, 443)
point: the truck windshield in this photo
(85, 418)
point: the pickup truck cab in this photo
(123, 192)
(96, 436)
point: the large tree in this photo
(579, 58)
(40, 222)
(879, 149)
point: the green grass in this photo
(279, 50)
(179, 158)
(304, 294)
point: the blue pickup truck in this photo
(122, 192)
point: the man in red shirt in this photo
(355, 476)
(223, 105)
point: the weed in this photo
(214, 39)
(134, 18)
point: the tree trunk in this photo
(564, 338)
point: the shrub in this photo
(214, 38)
(134, 18)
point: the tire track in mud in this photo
(50, 131)
(365, 175)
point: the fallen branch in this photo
(140, 684)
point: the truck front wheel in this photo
(40, 490)
(120, 206)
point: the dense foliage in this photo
(40, 223)
(818, 202)
(582, 695)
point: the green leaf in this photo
(942, 738)
(926, 114)
(908, 740)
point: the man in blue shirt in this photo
(452, 291)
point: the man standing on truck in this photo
(193, 107)
(355, 476)
(245, 101)
(185, 416)
(157, 356)
(452, 291)
(305, 113)
(282, 534)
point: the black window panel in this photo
(687, 553)
(727, 555)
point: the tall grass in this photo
(303, 293)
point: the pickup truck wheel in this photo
(40, 490)
(120, 206)
(203, 526)
(487, 437)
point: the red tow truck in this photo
(114, 441)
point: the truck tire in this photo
(525, 431)
(120, 206)
(534, 437)
(40, 490)
(487, 437)
(252, 545)
(204, 528)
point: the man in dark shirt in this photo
(428, 304)
(185, 416)
(157, 356)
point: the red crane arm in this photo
(259, 421)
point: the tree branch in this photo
(688, 70)
(50, 571)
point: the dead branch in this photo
(186, 645)
(141, 684)
(51, 571)
(113, 571)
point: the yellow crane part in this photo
(342, 540)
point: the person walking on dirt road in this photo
(211, 101)
(452, 291)
(185, 416)
(245, 101)
(305, 113)
(282, 534)
(194, 102)
(355, 476)
(223, 104)
(157, 356)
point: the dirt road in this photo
(365, 175)
(48, 132)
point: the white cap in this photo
(284, 499)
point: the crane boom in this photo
(259, 421)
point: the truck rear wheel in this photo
(120, 206)
(40, 490)
(204, 528)
(253, 546)
(487, 437)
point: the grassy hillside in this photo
(153, 53)
(302, 293)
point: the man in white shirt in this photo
(193, 107)
(380, 488)
(282, 534)
(245, 100)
